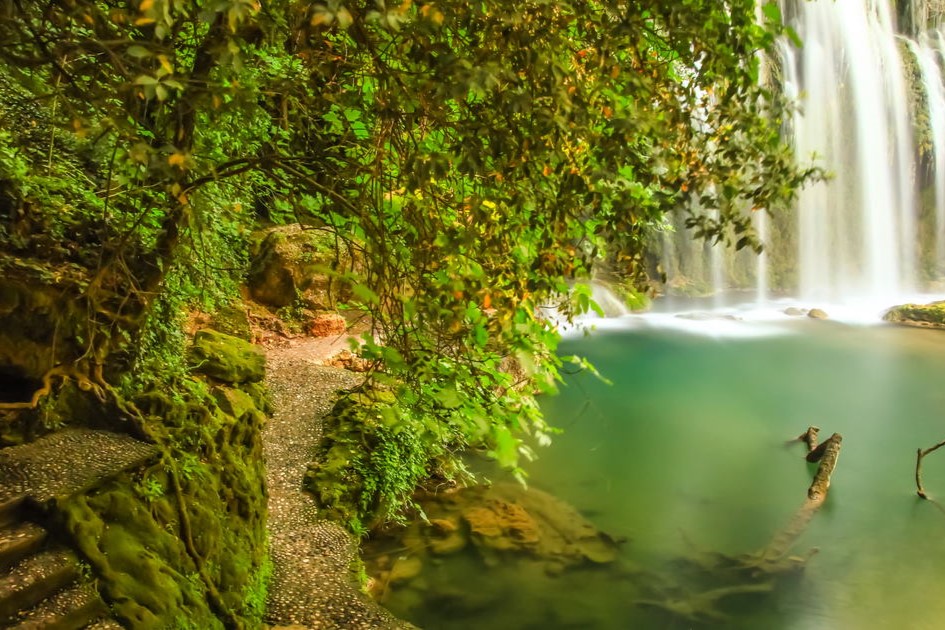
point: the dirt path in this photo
(312, 585)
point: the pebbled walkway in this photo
(312, 586)
(66, 462)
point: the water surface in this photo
(686, 451)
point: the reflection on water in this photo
(685, 455)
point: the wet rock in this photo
(930, 315)
(816, 313)
(502, 525)
(405, 568)
(227, 358)
(794, 311)
(502, 522)
(445, 537)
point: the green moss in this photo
(227, 358)
(926, 315)
(182, 543)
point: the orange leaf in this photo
(177, 159)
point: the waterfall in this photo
(761, 271)
(857, 232)
(928, 51)
(871, 112)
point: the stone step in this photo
(34, 579)
(67, 462)
(70, 609)
(19, 541)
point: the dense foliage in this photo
(472, 158)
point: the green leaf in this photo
(365, 294)
(138, 52)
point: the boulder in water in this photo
(930, 315)
(816, 313)
(793, 311)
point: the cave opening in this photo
(16, 386)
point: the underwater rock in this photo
(445, 537)
(508, 519)
(502, 526)
(930, 315)
(227, 358)
(405, 569)
(816, 313)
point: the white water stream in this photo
(856, 237)
(857, 232)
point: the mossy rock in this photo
(292, 263)
(930, 315)
(233, 320)
(227, 358)
(131, 528)
(370, 459)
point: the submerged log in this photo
(828, 461)
(920, 490)
(703, 607)
(753, 572)
(809, 437)
(773, 558)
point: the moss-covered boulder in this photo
(930, 315)
(294, 263)
(227, 358)
(181, 543)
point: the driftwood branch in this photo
(808, 437)
(828, 461)
(773, 557)
(702, 607)
(920, 455)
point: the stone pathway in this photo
(312, 586)
(41, 584)
(82, 457)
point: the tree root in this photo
(703, 607)
(65, 373)
(186, 535)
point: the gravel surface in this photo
(312, 586)
(82, 457)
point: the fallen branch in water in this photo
(918, 468)
(702, 607)
(808, 437)
(773, 557)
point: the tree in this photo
(475, 157)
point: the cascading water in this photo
(857, 232)
(928, 51)
(761, 273)
(863, 89)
